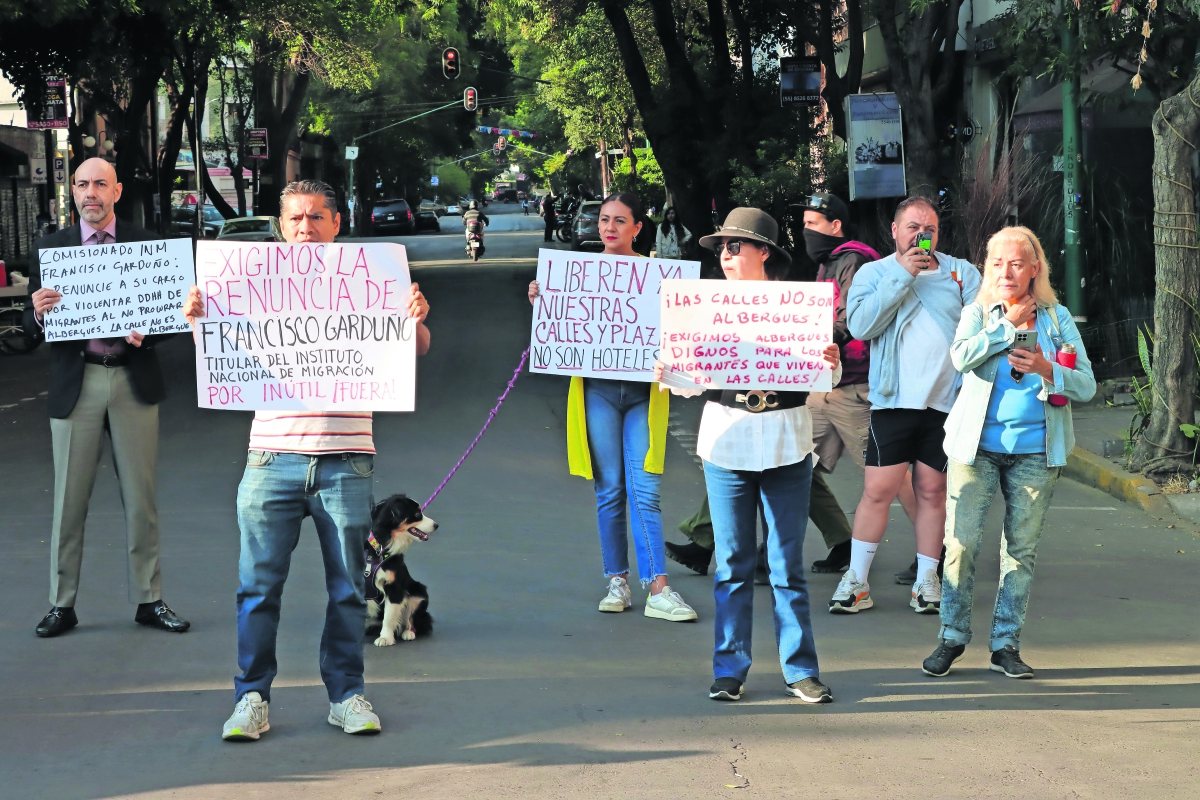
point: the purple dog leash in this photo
(491, 416)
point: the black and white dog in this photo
(396, 602)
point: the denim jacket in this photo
(981, 346)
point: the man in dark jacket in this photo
(98, 385)
(548, 211)
(841, 417)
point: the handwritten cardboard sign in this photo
(749, 334)
(111, 289)
(597, 315)
(322, 327)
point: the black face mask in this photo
(820, 245)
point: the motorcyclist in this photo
(474, 221)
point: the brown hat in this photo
(752, 225)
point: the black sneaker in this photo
(1008, 660)
(838, 559)
(810, 690)
(908, 576)
(691, 555)
(726, 689)
(938, 664)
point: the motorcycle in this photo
(566, 220)
(474, 240)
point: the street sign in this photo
(450, 63)
(37, 171)
(54, 105)
(351, 153)
(433, 181)
(256, 143)
(799, 81)
(60, 170)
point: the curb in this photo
(1090, 469)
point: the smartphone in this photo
(925, 242)
(1026, 340)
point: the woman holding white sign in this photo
(617, 434)
(758, 450)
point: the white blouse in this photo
(740, 439)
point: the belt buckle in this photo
(756, 400)
(104, 360)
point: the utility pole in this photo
(1072, 161)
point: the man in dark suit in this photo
(99, 385)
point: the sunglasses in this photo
(734, 246)
(817, 203)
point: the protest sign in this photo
(597, 315)
(321, 327)
(109, 290)
(748, 334)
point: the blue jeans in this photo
(277, 492)
(733, 499)
(618, 422)
(1027, 485)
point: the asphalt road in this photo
(524, 689)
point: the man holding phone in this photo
(907, 306)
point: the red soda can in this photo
(1066, 358)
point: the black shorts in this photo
(906, 435)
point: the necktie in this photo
(101, 237)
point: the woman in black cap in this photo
(758, 455)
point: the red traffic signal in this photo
(470, 98)
(502, 143)
(450, 62)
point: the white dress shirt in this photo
(740, 439)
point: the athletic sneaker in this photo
(927, 595)
(354, 715)
(851, 595)
(726, 689)
(669, 605)
(810, 690)
(938, 664)
(249, 720)
(1008, 660)
(618, 598)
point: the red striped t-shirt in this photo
(312, 432)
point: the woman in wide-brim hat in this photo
(757, 449)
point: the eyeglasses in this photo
(734, 246)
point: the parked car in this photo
(429, 205)
(585, 231)
(427, 219)
(454, 210)
(183, 220)
(392, 217)
(252, 229)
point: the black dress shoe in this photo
(59, 620)
(838, 559)
(691, 555)
(160, 615)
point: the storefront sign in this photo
(597, 315)
(111, 289)
(799, 81)
(54, 105)
(322, 327)
(766, 335)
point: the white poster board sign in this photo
(875, 145)
(111, 289)
(321, 327)
(766, 335)
(597, 315)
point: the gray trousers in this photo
(105, 402)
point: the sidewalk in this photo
(1099, 460)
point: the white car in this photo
(453, 211)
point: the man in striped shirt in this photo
(305, 463)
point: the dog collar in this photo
(371, 540)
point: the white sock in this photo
(861, 556)
(925, 563)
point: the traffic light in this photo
(502, 143)
(470, 98)
(450, 63)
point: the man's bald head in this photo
(96, 191)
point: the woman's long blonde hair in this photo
(1031, 249)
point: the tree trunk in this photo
(169, 155)
(279, 106)
(1163, 448)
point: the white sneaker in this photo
(249, 720)
(354, 716)
(618, 598)
(927, 594)
(669, 605)
(851, 595)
